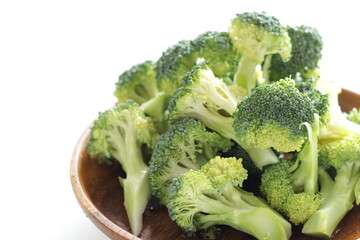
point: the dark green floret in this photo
(186, 145)
(339, 193)
(215, 47)
(272, 115)
(138, 83)
(306, 45)
(120, 133)
(201, 199)
(255, 35)
(209, 99)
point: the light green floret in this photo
(272, 115)
(186, 145)
(339, 193)
(277, 187)
(255, 35)
(209, 99)
(200, 200)
(120, 133)
(138, 83)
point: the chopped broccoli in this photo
(271, 117)
(277, 187)
(306, 49)
(338, 193)
(120, 133)
(200, 199)
(354, 115)
(208, 99)
(186, 145)
(138, 83)
(256, 35)
(178, 59)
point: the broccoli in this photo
(277, 187)
(208, 99)
(256, 35)
(120, 133)
(354, 115)
(339, 193)
(200, 199)
(138, 83)
(178, 59)
(271, 116)
(306, 49)
(186, 145)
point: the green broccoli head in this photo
(272, 116)
(206, 98)
(186, 145)
(120, 133)
(195, 203)
(306, 45)
(354, 115)
(180, 58)
(256, 34)
(217, 49)
(337, 153)
(222, 170)
(138, 83)
(276, 186)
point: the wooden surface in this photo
(100, 196)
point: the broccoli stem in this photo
(357, 191)
(338, 200)
(305, 178)
(250, 220)
(136, 185)
(155, 107)
(245, 75)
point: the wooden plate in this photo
(98, 191)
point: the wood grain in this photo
(99, 194)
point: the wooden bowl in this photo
(99, 194)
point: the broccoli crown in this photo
(222, 170)
(206, 98)
(339, 152)
(276, 185)
(138, 83)
(354, 115)
(306, 49)
(172, 65)
(186, 145)
(196, 203)
(110, 131)
(256, 34)
(217, 49)
(271, 117)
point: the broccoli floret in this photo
(354, 115)
(339, 194)
(178, 59)
(208, 99)
(138, 83)
(200, 199)
(254, 35)
(120, 133)
(306, 49)
(271, 117)
(186, 145)
(277, 187)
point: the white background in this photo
(59, 61)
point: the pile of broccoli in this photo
(235, 128)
